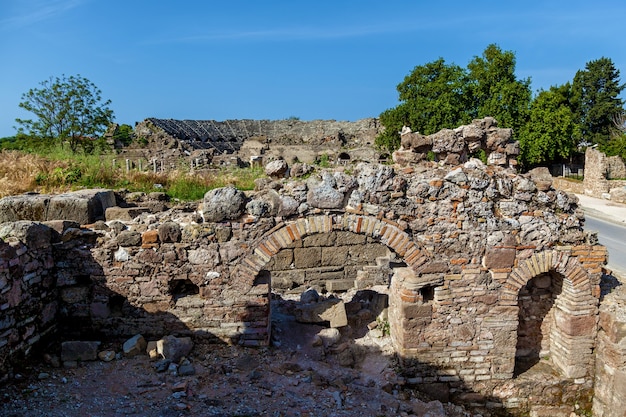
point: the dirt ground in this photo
(294, 377)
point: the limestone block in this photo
(84, 207)
(339, 285)
(446, 141)
(276, 169)
(174, 348)
(134, 346)
(307, 257)
(542, 178)
(124, 213)
(332, 310)
(34, 235)
(324, 196)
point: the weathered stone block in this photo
(79, 350)
(498, 257)
(339, 285)
(124, 213)
(307, 257)
(334, 256)
(174, 348)
(169, 232)
(332, 310)
(134, 346)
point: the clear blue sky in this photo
(276, 59)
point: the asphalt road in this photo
(612, 236)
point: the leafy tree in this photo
(432, 97)
(552, 131)
(124, 134)
(437, 95)
(596, 100)
(66, 108)
(495, 89)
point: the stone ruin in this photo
(455, 146)
(162, 143)
(486, 273)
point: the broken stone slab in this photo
(83, 207)
(333, 285)
(332, 310)
(79, 350)
(174, 348)
(134, 346)
(124, 213)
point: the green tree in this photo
(596, 101)
(551, 132)
(437, 95)
(496, 91)
(66, 108)
(433, 96)
(124, 134)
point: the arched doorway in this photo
(557, 311)
(536, 303)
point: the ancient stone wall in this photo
(610, 383)
(488, 272)
(28, 295)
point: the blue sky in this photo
(240, 59)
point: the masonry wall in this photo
(28, 295)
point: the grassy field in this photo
(56, 171)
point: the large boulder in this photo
(227, 203)
(276, 169)
(325, 195)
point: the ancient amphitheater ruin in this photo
(480, 273)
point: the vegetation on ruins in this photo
(437, 95)
(551, 126)
(60, 170)
(66, 109)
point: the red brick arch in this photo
(386, 232)
(574, 321)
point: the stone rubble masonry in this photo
(463, 247)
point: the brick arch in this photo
(574, 321)
(385, 231)
(551, 261)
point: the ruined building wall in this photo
(473, 245)
(604, 176)
(28, 295)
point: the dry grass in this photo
(23, 172)
(19, 172)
